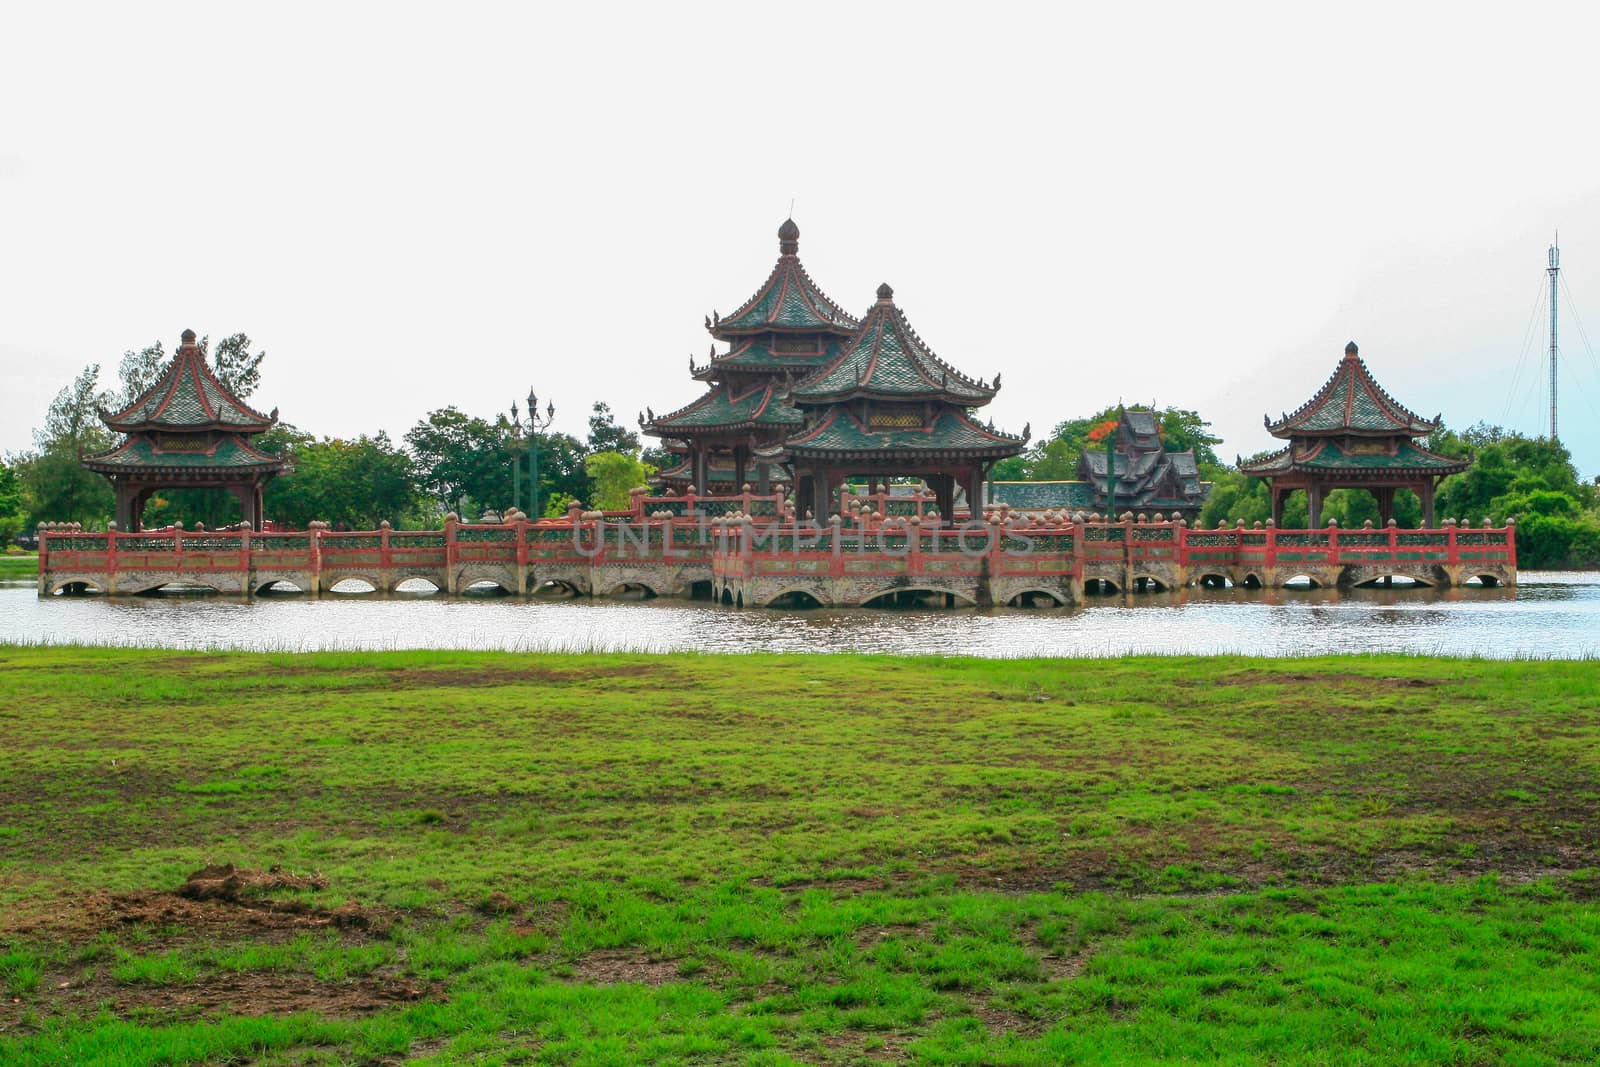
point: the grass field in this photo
(19, 566)
(478, 858)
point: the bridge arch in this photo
(1148, 583)
(1301, 581)
(1407, 581)
(795, 597)
(75, 585)
(372, 582)
(433, 585)
(1036, 598)
(274, 586)
(1213, 580)
(1252, 580)
(468, 580)
(918, 597)
(1483, 581)
(633, 589)
(554, 588)
(1100, 587)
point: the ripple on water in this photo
(1551, 614)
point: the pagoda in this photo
(187, 431)
(786, 331)
(886, 407)
(1352, 435)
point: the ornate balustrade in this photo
(868, 544)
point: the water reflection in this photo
(1550, 614)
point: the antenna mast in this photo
(1554, 270)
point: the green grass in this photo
(789, 859)
(19, 566)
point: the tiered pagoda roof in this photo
(1351, 402)
(188, 396)
(186, 423)
(887, 360)
(725, 407)
(787, 302)
(1352, 428)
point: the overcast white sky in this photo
(411, 206)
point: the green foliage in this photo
(57, 487)
(462, 460)
(351, 484)
(13, 505)
(612, 475)
(606, 436)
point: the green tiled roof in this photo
(188, 396)
(751, 354)
(1351, 401)
(953, 430)
(1329, 456)
(787, 301)
(722, 407)
(140, 452)
(1040, 496)
(886, 358)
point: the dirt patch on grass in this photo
(460, 677)
(211, 901)
(615, 966)
(251, 993)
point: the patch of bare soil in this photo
(213, 900)
(249, 993)
(614, 966)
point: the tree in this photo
(353, 484)
(612, 475)
(606, 436)
(461, 460)
(13, 505)
(58, 486)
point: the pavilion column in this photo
(1278, 496)
(763, 483)
(738, 469)
(1314, 505)
(125, 492)
(1427, 503)
(822, 493)
(973, 484)
(141, 496)
(1385, 497)
(261, 507)
(702, 483)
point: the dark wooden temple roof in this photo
(787, 302)
(887, 360)
(1351, 402)
(188, 397)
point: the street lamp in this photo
(535, 424)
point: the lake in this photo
(1550, 614)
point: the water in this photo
(1551, 614)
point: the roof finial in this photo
(1350, 350)
(188, 337)
(788, 238)
(885, 294)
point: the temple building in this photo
(187, 431)
(1147, 478)
(1352, 435)
(808, 396)
(784, 332)
(889, 407)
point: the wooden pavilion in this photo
(787, 330)
(1352, 435)
(889, 407)
(187, 431)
